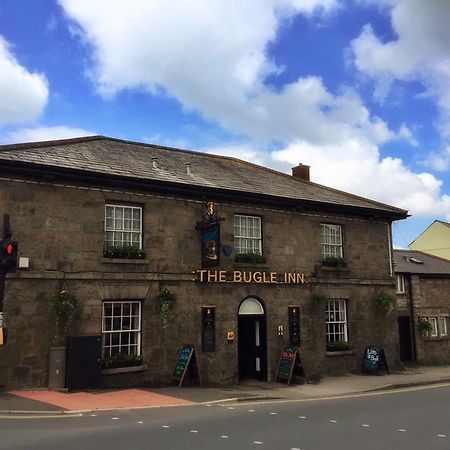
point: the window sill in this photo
(340, 353)
(335, 269)
(125, 260)
(436, 338)
(124, 370)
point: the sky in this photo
(357, 89)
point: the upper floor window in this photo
(123, 226)
(331, 241)
(400, 284)
(247, 234)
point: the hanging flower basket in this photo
(385, 302)
(64, 306)
(166, 302)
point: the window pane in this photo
(121, 327)
(123, 225)
(247, 234)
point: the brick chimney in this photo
(301, 172)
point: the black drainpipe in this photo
(413, 322)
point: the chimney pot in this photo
(155, 163)
(301, 172)
(188, 168)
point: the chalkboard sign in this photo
(186, 364)
(374, 360)
(289, 358)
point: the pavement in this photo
(43, 401)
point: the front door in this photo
(252, 347)
(404, 329)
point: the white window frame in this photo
(442, 326)
(331, 239)
(336, 321)
(433, 322)
(400, 284)
(122, 331)
(247, 234)
(123, 225)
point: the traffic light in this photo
(9, 251)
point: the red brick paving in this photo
(126, 398)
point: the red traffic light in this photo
(10, 248)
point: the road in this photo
(413, 420)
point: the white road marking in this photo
(251, 410)
(193, 431)
(441, 435)
(302, 417)
(258, 442)
(224, 436)
(273, 413)
(295, 448)
(165, 426)
(230, 407)
(365, 425)
(140, 421)
(401, 430)
(114, 418)
(93, 415)
(333, 421)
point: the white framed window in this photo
(442, 326)
(400, 284)
(336, 321)
(331, 240)
(247, 234)
(434, 329)
(123, 226)
(121, 328)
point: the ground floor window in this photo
(438, 326)
(121, 328)
(336, 321)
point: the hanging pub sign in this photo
(210, 236)
(187, 366)
(374, 360)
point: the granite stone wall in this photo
(60, 228)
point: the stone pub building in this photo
(163, 247)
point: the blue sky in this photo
(358, 89)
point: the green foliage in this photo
(166, 302)
(64, 306)
(318, 299)
(385, 302)
(334, 261)
(338, 346)
(122, 360)
(124, 251)
(425, 327)
(249, 258)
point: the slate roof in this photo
(416, 262)
(131, 160)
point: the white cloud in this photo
(439, 161)
(355, 166)
(23, 95)
(212, 57)
(421, 51)
(44, 134)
